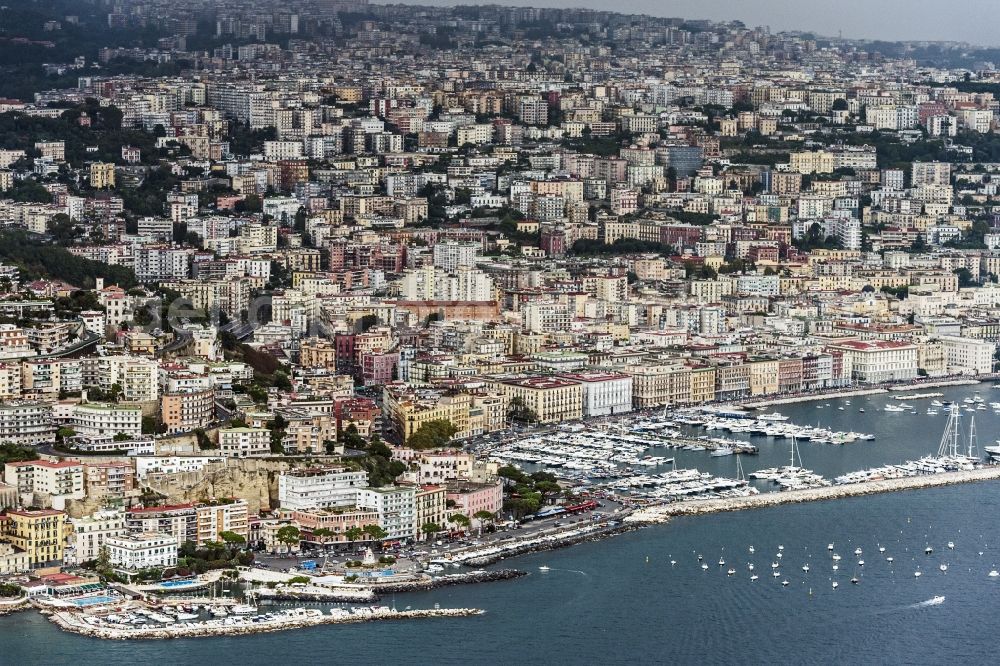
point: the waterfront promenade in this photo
(662, 513)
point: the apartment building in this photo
(320, 487)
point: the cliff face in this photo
(256, 481)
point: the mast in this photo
(950, 436)
(973, 439)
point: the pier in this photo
(661, 513)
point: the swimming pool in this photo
(178, 583)
(93, 601)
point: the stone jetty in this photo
(662, 513)
(81, 623)
(449, 580)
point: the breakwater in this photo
(80, 623)
(661, 513)
(449, 580)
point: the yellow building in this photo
(409, 410)
(552, 399)
(432, 507)
(764, 377)
(102, 175)
(41, 533)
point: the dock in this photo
(662, 513)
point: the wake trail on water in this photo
(934, 601)
(582, 573)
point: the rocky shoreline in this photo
(74, 623)
(14, 606)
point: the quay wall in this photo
(661, 513)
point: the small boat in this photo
(722, 562)
(784, 583)
(881, 549)
(805, 567)
(753, 577)
(731, 572)
(704, 566)
(836, 585)
(750, 566)
(857, 551)
(779, 555)
(836, 567)
(951, 545)
(545, 568)
(699, 558)
(855, 580)
(751, 550)
(943, 567)
(994, 573)
(836, 558)
(775, 565)
(673, 562)
(861, 563)
(889, 559)
(244, 609)
(862, 410)
(829, 546)
(928, 550)
(777, 574)
(781, 547)
(917, 574)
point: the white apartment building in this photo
(51, 482)
(604, 392)
(244, 442)
(322, 488)
(877, 361)
(449, 256)
(968, 356)
(142, 551)
(90, 533)
(96, 419)
(396, 507)
(26, 423)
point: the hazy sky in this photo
(973, 21)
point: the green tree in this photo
(432, 434)
(288, 535)
(375, 533)
(430, 529)
(232, 538)
(353, 534)
(484, 517)
(460, 519)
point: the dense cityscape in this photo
(324, 300)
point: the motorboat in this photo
(836, 585)
(943, 567)
(951, 545)
(805, 567)
(917, 574)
